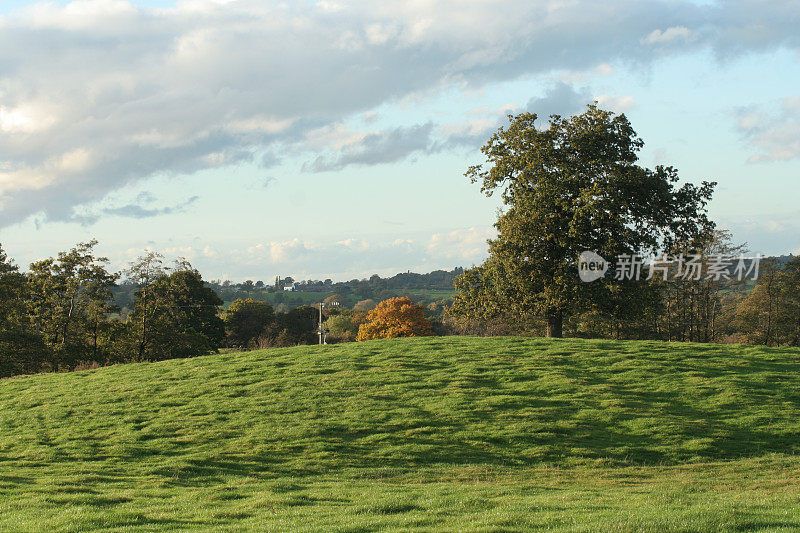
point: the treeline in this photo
(252, 325)
(425, 288)
(724, 310)
(61, 314)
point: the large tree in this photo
(569, 187)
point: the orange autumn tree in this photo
(395, 317)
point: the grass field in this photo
(454, 434)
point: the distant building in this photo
(291, 287)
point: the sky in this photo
(329, 139)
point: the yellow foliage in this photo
(395, 317)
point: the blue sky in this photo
(329, 139)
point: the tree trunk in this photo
(555, 323)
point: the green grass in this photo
(454, 434)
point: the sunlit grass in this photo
(455, 433)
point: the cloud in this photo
(355, 244)
(345, 258)
(580, 76)
(669, 35)
(619, 103)
(560, 99)
(463, 244)
(776, 136)
(138, 209)
(396, 144)
(774, 234)
(376, 148)
(473, 132)
(96, 95)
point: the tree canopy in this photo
(395, 317)
(246, 320)
(174, 314)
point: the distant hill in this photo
(422, 288)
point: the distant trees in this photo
(250, 324)
(770, 314)
(365, 305)
(395, 317)
(790, 307)
(697, 309)
(22, 348)
(433, 286)
(69, 304)
(174, 314)
(60, 314)
(69, 312)
(343, 326)
(246, 321)
(297, 326)
(571, 187)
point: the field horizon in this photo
(436, 433)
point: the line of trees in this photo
(252, 325)
(61, 315)
(763, 312)
(429, 287)
(770, 314)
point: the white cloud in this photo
(669, 35)
(776, 136)
(355, 244)
(275, 252)
(774, 226)
(581, 76)
(283, 252)
(337, 259)
(462, 245)
(119, 93)
(334, 136)
(375, 148)
(619, 103)
(24, 119)
(79, 14)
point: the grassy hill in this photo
(456, 433)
